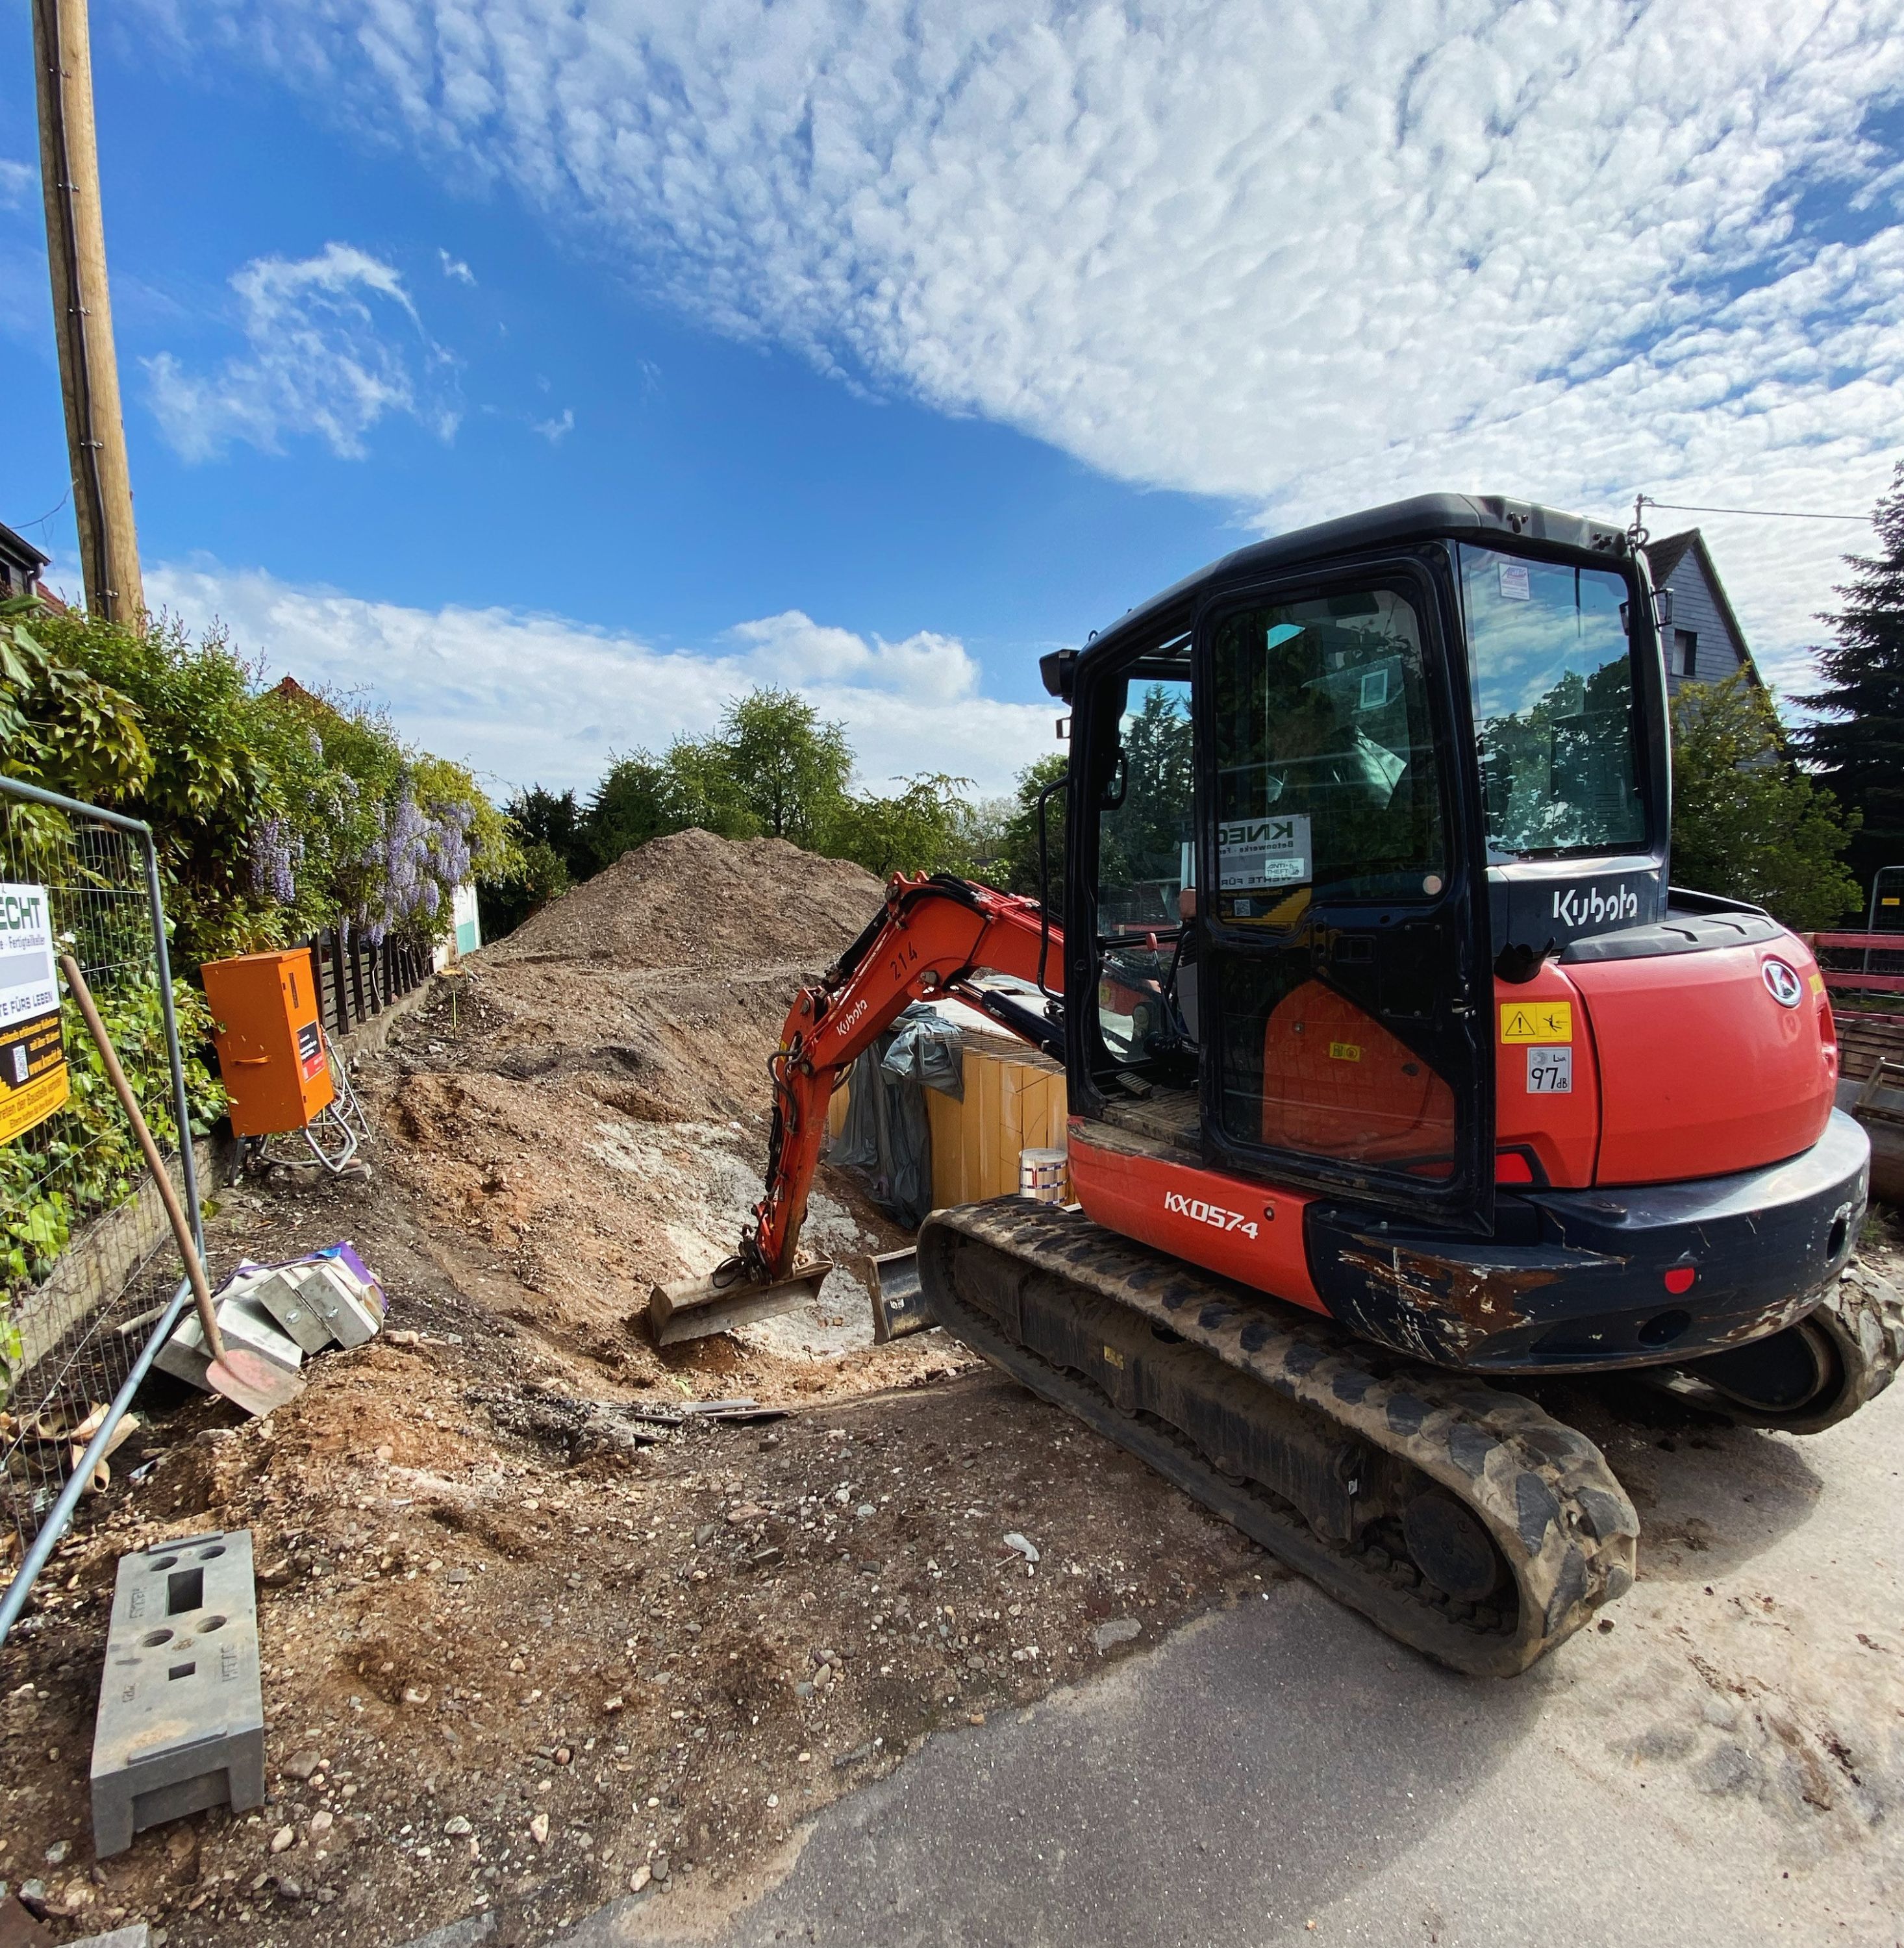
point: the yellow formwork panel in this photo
(1014, 1100)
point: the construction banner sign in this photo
(32, 1057)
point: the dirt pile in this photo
(589, 1099)
(691, 900)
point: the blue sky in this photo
(552, 369)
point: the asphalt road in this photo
(1725, 1765)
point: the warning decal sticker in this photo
(1536, 1021)
(32, 1056)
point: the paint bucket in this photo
(1041, 1176)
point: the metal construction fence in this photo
(357, 977)
(86, 1294)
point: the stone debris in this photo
(1120, 1629)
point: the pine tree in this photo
(1857, 746)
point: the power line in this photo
(1764, 513)
(41, 520)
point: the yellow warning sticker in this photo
(1344, 1051)
(1818, 982)
(1112, 1358)
(1537, 1021)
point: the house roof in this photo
(1664, 556)
(22, 550)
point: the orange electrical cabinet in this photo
(271, 1049)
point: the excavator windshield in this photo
(1552, 674)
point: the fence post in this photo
(356, 970)
(180, 1107)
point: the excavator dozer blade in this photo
(693, 1308)
(898, 1305)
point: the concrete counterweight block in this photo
(181, 1718)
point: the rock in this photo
(746, 1511)
(660, 1865)
(458, 1576)
(282, 1839)
(706, 1532)
(456, 1827)
(864, 1509)
(56, 1854)
(538, 1829)
(823, 1676)
(302, 1765)
(562, 1755)
(640, 1878)
(1120, 1629)
(321, 1822)
(1027, 1550)
(416, 1693)
(1729, 1769)
(803, 1689)
(611, 1705)
(287, 1888)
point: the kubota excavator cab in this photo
(1376, 995)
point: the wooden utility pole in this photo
(82, 312)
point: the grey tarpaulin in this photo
(886, 1138)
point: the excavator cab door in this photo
(1344, 981)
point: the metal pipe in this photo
(61, 1513)
(39, 795)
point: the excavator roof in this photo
(1423, 517)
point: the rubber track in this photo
(1561, 1520)
(1864, 1319)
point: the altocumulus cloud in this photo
(527, 698)
(1306, 254)
(332, 345)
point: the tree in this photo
(1015, 867)
(1746, 822)
(925, 827)
(788, 767)
(1857, 746)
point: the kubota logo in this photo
(1783, 985)
(850, 1020)
(1175, 1202)
(1575, 906)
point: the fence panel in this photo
(80, 1251)
(357, 977)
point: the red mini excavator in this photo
(1396, 1072)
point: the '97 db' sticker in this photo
(1550, 1071)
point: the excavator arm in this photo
(928, 941)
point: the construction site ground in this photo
(529, 1659)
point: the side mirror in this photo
(1662, 609)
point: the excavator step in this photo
(1458, 1518)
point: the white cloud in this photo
(1306, 256)
(555, 431)
(535, 698)
(455, 269)
(333, 344)
(19, 184)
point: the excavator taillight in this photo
(1680, 1278)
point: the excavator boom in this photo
(929, 940)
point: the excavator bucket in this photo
(693, 1308)
(898, 1305)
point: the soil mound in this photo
(692, 900)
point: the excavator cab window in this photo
(1331, 927)
(1145, 835)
